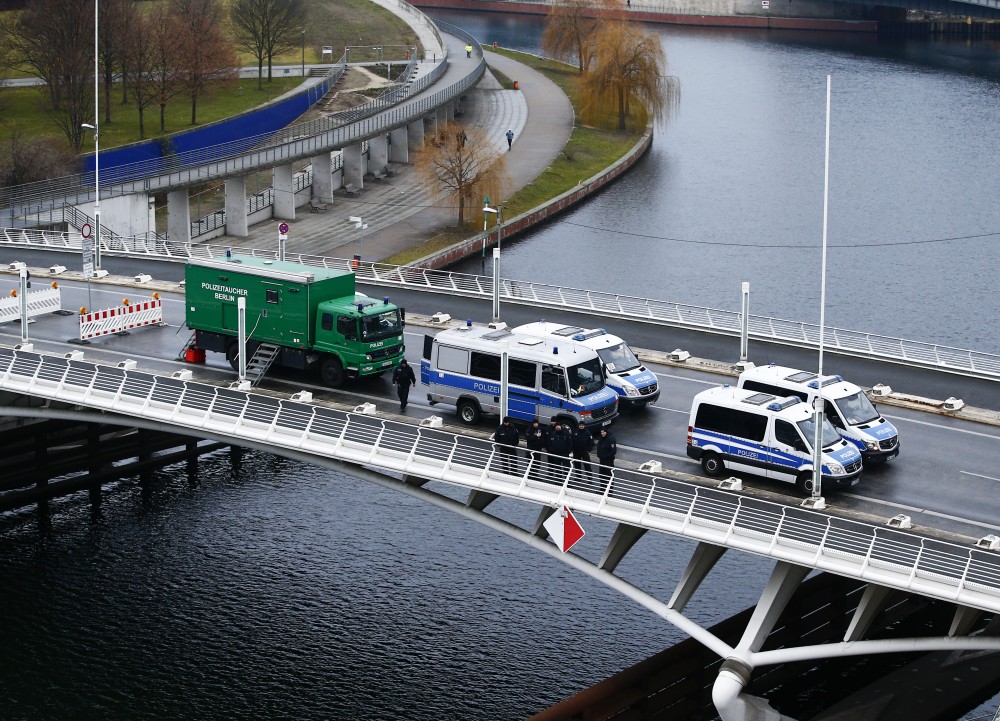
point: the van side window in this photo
(554, 380)
(521, 373)
(784, 432)
(485, 365)
(731, 422)
(833, 414)
(347, 327)
(455, 360)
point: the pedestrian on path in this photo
(468, 51)
(403, 379)
(510, 138)
(506, 436)
(607, 449)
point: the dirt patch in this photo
(356, 87)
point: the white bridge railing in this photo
(543, 295)
(892, 558)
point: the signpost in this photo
(564, 529)
(359, 225)
(88, 259)
(282, 237)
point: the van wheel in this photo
(805, 483)
(468, 413)
(712, 465)
(331, 371)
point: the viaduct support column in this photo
(322, 189)
(284, 192)
(415, 134)
(399, 151)
(353, 169)
(179, 216)
(236, 207)
(378, 153)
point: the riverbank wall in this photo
(543, 213)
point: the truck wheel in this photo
(468, 412)
(233, 355)
(332, 372)
(805, 483)
(712, 465)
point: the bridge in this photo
(408, 456)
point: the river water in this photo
(733, 187)
(282, 591)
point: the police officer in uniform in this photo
(506, 438)
(403, 379)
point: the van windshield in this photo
(383, 325)
(618, 358)
(585, 377)
(856, 409)
(808, 430)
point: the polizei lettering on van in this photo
(225, 293)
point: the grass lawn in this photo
(588, 152)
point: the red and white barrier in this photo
(47, 300)
(121, 318)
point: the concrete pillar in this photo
(441, 115)
(449, 111)
(322, 189)
(378, 153)
(236, 207)
(284, 192)
(415, 134)
(353, 167)
(179, 216)
(399, 149)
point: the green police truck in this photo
(306, 317)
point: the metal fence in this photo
(964, 575)
(961, 361)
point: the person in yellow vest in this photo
(468, 51)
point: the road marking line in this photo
(944, 427)
(980, 475)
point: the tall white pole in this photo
(241, 332)
(816, 498)
(97, 147)
(496, 286)
(744, 322)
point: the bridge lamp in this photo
(487, 210)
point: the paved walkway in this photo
(401, 211)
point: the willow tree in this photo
(627, 82)
(570, 27)
(462, 165)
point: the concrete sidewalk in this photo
(401, 211)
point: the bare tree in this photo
(166, 76)
(267, 28)
(570, 26)
(117, 20)
(25, 160)
(141, 64)
(461, 164)
(206, 55)
(55, 39)
(627, 80)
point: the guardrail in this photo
(960, 361)
(965, 575)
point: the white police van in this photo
(545, 379)
(635, 386)
(846, 405)
(741, 430)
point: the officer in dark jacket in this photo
(560, 446)
(583, 444)
(403, 379)
(506, 437)
(535, 436)
(607, 449)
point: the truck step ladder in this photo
(190, 344)
(260, 361)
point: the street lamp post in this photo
(303, 52)
(815, 499)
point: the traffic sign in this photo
(85, 230)
(564, 529)
(283, 228)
